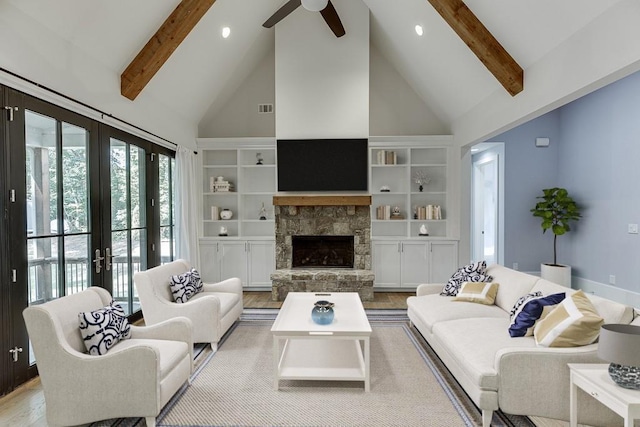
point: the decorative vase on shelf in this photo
(322, 312)
(226, 214)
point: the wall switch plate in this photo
(612, 279)
(633, 228)
(515, 265)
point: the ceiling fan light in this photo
(314, 5)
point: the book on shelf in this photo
(385, 157)
(383, 212)
(429, 212)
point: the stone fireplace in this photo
(323, 244)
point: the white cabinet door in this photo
(386, 263)
(415, 263)
(443, 260)
(233, 260)
(262, 262)
(209, 262)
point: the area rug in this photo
(409, 386)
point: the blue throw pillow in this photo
(526, 315)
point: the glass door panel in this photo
(166, 184)
(57, 194)
(128, 220)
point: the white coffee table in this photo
(304, 350)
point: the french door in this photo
(83, 210)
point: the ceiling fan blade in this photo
(332, 19)
(281, 13)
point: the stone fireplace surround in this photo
(322, 215)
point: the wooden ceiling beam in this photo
(161, 45)
(469, 28)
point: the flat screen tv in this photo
(322, 164)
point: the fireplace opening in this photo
(322, 251)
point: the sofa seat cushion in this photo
(474, 343)
(432, 309)
(171, 352)
(227, 300)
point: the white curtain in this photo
(186, 200)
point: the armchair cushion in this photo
(102, 329)
(186, 285)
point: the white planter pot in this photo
(560, 274)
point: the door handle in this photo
(98, 261)
(107, 259)
(14, 353)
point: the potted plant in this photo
(556, 210)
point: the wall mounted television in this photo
(323, 164)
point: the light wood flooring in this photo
(25, 406)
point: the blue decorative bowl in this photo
(322, 312)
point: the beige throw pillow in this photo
(573, 322)
(479, 292)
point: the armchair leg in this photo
(487, 416)
(214, 346)
(151, 421)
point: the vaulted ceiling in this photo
(439, 66)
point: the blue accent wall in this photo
(600, 163)
(595, 154)
(528, 169)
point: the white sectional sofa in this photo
(501, 372)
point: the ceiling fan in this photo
(325, 8)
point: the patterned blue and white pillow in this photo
(103, 328)
(184, 286)
(526, 315)
(521, 301)
(474, 272)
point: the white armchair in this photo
(135, 378)
(212, 311)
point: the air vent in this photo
(265, 108)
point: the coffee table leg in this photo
(367, 371)
(276, 362)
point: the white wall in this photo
(322, 82)
(36, 53)
(239, 116)
(395, 108)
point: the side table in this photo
(594, 379)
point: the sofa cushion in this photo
(513, 285)
(102, 329)
(432, 309)
(184, 286)
(170, 352)
(611, 311)
(473, 344)
(480, 292)
(227, 300)
(527, 314)
(474, 272)
(574, 322)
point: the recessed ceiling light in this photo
(225, 32)
(419, 30)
